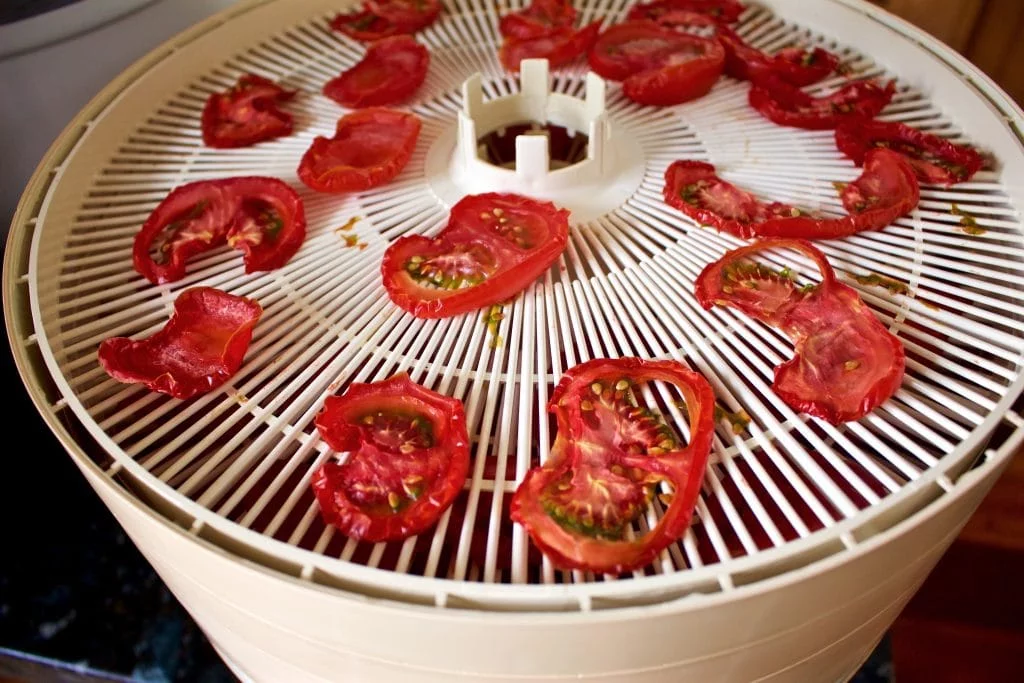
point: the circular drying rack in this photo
(233, 466)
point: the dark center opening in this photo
(564, 149)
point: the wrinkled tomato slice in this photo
(935, 160)
(369, 148)
(385, 18)
(392, 70)
(718, 11)
(609, 455)
(787, 105)
(539, 18)
(200, 347)
(493, 247)
(245, 114)
(845, 363)
(408, 459)
(793, 65)
(263, 217)
(559, 46)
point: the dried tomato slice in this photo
(200, 347)
(935, 160)
(796, 66)
(559, 46)
(539, 18)
(608, 456)
(392, 70)
(787, 105)
(245, 114)
(846, 363)
(886, 190)
(263, 217)
(493, 247)
(408, 461)
(719, 11)
(369, 148)
(385, 18)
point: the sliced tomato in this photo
(539, 18)
(245, 114)
(787, 105)
(793, 65)
(719, 11)
(408, 459)
(935, 160)
(493, 247)
(262, 216)
(846, 363)
(385, 18)
(681, 20)
(201, 346)
(559, 46)
(367, 27)
(369, 148)
(609, 455)
(392, 70)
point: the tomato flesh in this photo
(199, 349)
(369, 148)
(386, 18)
(408, 461)
(717, 11)
(245, 114)
(609, 454)
(795, 66)
(493, 247)
(392, 70)
(845, 363)
(787, 105)
(559, 46)
(935, 160)
(539, 18)
(263, 217)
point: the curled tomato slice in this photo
(846, 363)
(199, 348)
(610, 453)
(787, 105)
(263, 217)
(385, 18)
(493, 247)
(793, 65)
(935, 160)
(559, 46)
(392, 70)
(369, 148)
(408, 459)
(539, 18)
(246, 114)
(718, 11)
(886, 190)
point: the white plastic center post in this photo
(599, 183)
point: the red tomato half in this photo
(539, 18)
(369, 148)
(608, 457)
(720, 11)
(385, 18)
(793, 65)
(246, 114)
(787, 105)
(559, 46)
(392, 70)
(263, 217)
(846, 362)
(408, 460)
(935, 160)
(493, 247)
(199, 348)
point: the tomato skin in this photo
(369, 148)
(845, 363)
(386, 18)
(679, 83)
(719, 11)
(437, 469)
(787, 105)
(392, 70)
(794, 66)
(538, 19)
(952, 163)
(201, 346)
(267, 248)
(683, 467)
(512, 268)
(559, 46)
(246, 114)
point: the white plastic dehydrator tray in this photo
(808, 538)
